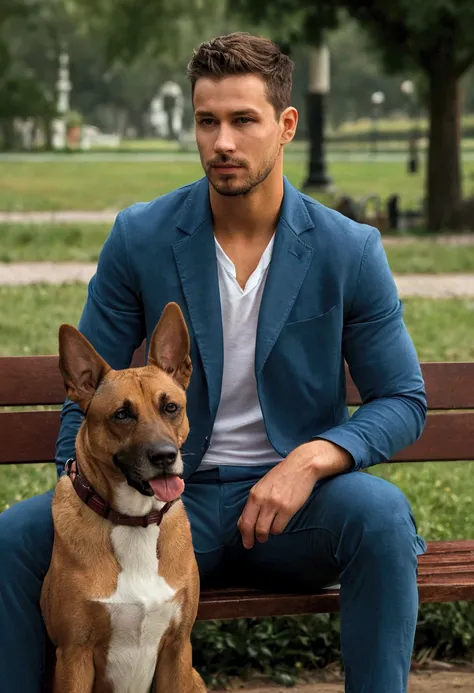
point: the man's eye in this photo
(206, 121)
(244, 121)
(171, 408)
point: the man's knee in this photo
(26, 537)
(375, 518)
(368, 501)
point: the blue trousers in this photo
(355, 529)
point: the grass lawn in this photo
(441, 493)
(86, 185)
(82, 243)
(53, 243)
(428, 256)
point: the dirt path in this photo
(424, 285)
(420, 682)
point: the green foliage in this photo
(282, 648)
(279, 648)
(135, 27)
(407, 32)
(73, 119)
(291, 21)
(446, 629)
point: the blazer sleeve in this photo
(112, 320)
(383, 364)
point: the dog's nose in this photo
(163, 454)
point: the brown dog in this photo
(120, 598)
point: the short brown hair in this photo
(241, 53)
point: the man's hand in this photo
(285, 489)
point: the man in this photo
(278, 292)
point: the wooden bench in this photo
(446, 572)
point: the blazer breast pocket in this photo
(317, 316)
(304, 364)
(312, 345)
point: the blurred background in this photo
(96, 114)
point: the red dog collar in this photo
(90, 497)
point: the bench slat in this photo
(31, 437)
(448, 560)
(450, 547)
(428, 571)
(435, 584)
(259, 606)
(447, 436)
(33, 380)
(449, 385)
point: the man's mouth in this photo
(225, 167)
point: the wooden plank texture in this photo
(435, 584)
(447, 436)
(31, 437)
(32, 380)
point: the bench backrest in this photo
(30, 436)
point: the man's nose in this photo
(225, 140)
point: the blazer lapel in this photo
(195, 256)
(290, 261)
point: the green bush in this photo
(281, 648)
(446, 629)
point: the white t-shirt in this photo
(239, 436)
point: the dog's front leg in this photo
(174, 670)
(74, 670)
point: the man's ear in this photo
(81, 366)
(169, 345)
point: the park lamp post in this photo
(318, 88)
(408, 88)
(63, 86)
(377, 98)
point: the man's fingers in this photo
(280, 522)
(264, 524)
(247, 522)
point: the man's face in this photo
(238, 134)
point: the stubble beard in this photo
(231, 189)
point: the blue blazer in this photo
(329, 297)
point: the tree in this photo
(23, 91)
(437, 39)
(433, 37)
(135, 27)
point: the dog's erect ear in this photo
(81, 366)
(169, 345)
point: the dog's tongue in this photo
(167, 488)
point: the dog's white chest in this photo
(141, 609)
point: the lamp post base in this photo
(318, 178)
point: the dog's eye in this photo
(171, 408)
(122, 414)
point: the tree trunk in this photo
(48, 134)
(444, 165)
(8, 134)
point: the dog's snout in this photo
(163, 454)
